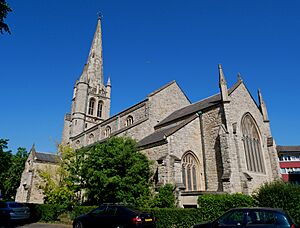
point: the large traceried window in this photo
(91, 106)
(252, 145)
(190, 170)
(100, 107)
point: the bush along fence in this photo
(276, 195)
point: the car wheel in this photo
(78, 224)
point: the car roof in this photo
(258, 208)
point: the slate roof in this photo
(160, 134)
(162, 128)
(288, 148)
(190, 109)
(196, 107)
(46, 157)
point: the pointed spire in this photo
(223, 84)
(108, 81)
(263, 107)
(95, 60)
(108, 87)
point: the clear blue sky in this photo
(146, 44)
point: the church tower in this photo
(91, 98)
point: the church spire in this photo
(223, 85)
(263, 107)
(95, 60)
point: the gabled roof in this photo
(46, 157)
(43, 157)
(190, 109)
(196, 107)
(161, 134)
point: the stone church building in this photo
(222, 143)
(30, 190)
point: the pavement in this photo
(37, 225)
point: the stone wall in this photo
(211, 121)
(165, 101)
(30, 190)
(186, 139)
(241, 103)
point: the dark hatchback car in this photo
(115, 216)
(252, 218)
(13, 211)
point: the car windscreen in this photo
(15, 205)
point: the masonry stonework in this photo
(199, 147)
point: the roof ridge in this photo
(161, 88)
(40, 152)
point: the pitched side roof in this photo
(190, 109)
(161, 134)
(196, 107)
(288, 148)
(46, 157)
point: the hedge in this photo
(280, 195)
(213, 206)
(277, 195)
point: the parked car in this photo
(13, 211)
(115, 216)
(252, 218)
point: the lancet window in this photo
(91, 106)
(190, 172)
(100, 107)
(129, 121)
(252, 145)
(107, 131)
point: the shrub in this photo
(280, 195)
(176, 217)
(165, 197)
(49, 212)
(214, 205)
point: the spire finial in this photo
(100, 16)
(239, 77)
(263, 107)
(221, 75)
(108, 81)
(223, 85)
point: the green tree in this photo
(15, 172)
(58, 187)
(4, 10)
(165, 197)
(11, 168)
(115, 171)
(5, 158)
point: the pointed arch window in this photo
(107, 131)
(100, 107)
(252, 145)
(129, 121)
(91, 138)
(190, 172)
(91, 106)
